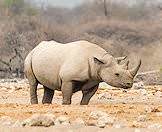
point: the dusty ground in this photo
(125, 106)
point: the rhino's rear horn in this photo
(125, 65)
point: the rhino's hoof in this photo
(66, 103)
(83, 103)
(34, 101)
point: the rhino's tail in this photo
(28, 70)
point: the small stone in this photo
(136, 124)
(97, 114)
(102, 118)
(120, 124)
(78, 121)
(40, 86)
(142, 118)
(104, 85)
(106, 119)
(62, 120)
(101, 123)
(91, 122)
(25, 122)
(139, 85)
(17, 124)
(142, 91)
(40, 120)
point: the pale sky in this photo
(73, 3)
(60, 3)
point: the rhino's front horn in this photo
(135, 70)
(119, 59)
(125, 65)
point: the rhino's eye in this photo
(117, 74)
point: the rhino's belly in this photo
(50, 82)
(46, 79)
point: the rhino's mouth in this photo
(125, 86)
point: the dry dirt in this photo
(124, 106)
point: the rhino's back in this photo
(49, 57)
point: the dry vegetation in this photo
(126, 30)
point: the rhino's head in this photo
(114, 73)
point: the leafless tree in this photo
(105, 7)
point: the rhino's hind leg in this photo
(33, 93)
(87, 94)
(48, 95)
(31, 78)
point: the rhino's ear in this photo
(98, 61)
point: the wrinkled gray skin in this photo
(71, 67)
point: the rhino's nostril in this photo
(129, 84)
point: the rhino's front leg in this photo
(88, 93)
(66, 89)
